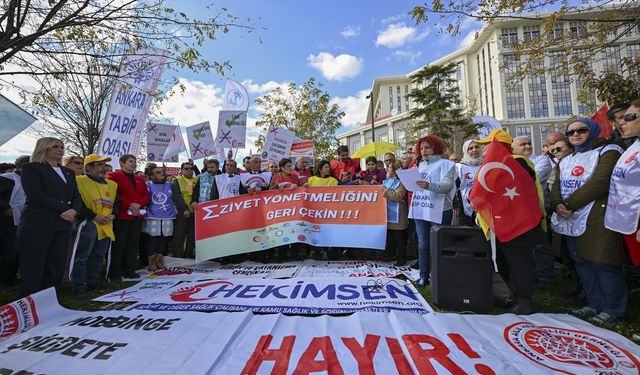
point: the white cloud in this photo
(392, 19)
(354, 107)
(199, 102)
(263, 88)
(410, 56)
(468, 39)
(336, 68)
(350, 32)
(397, 35)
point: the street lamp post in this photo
(373, 130)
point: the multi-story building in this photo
(534, 106)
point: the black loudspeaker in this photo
(461, 269)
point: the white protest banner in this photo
(146, 288)
(400, 343)
(158, 138)
(24, 314)
(332, 216)
(200, 140)
(122, 342)
(302, 148)
(487, 124)
(354, 268)
(277, 144)
(169, 262)
(299, 296)
(236, 97)
(131, 99)
(175, 146)
(255, 270)
(232, 129)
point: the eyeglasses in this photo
(630, 116)
(557, 149)
(570, 133)
(77, 162)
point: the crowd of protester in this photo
(63, 217)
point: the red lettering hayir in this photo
(422, 357)
(363, 354)
(329, 362)
(262, 353)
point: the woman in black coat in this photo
(44, 230)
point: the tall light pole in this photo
(373, 123)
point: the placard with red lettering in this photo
(333, 216)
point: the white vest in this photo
(250, 180)
(425, 204)
(623, 207)
(18, 197)
(228, 186)
(575, 171)
(466, 174)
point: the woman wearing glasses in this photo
(75, 163)
(623, 209)
(579, 197)
(44, 231)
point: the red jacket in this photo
(338, 168)
(127, 194)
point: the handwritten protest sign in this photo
(350, 216)
(277, 144)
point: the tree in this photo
(306, 111)
(438, 107)
(613, 86)
(593, 26)
(31, 30)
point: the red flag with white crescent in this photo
(504, 194)
(606, 130)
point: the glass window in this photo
(514, 92)
(355, 146)
(577, 29)
(406, 98)
(538, 96)
(390, 98)
(557, 31)
(531, 32)
(587, 103)
(561, 85)
(399, 138)
(399, 99)
(523, 131)
(509, 36)
(633, 51)
(480, 85)
(383, 137)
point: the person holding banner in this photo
(302, 170)
(322, 177)
(161, 212)
(52, 204)
(432, 205)
(184, 228)
(372, 175)
(133, 198)
(255, 181)
(623, 209)
(286, 178)
(95, 232)
(579, 197)
(205, 189)
(273, 168)
(396, 195)
(344, 169)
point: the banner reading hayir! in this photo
(130, 102)
(347, 216)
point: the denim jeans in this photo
(604, 285)
(90, 252)
(544, 261)
(423, 229)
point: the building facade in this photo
(534, 106)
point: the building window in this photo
(531, 32)
(493, 100)
(484, 77)
(399, 138)
(538, 96)
(577, 29)
(383, 137)
(390, 99)
(557, 32)
(399, 99)
(633, 51)
(611, 59)
(561, 85)
(406, 97)
(587, 99)
(513, 91)
(480, 85)
(509, 36)
(355, 146)
(523, 131)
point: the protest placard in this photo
(277, 144)
(200, 139)
(158, 138)
(300, 296)
(232, 129)
(354, 268)
(348, 216)
(302, 148)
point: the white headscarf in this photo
(466, 159)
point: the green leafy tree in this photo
(305, 110)
(613, 86)
(438, 109)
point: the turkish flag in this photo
(606, 130)
(504, 194)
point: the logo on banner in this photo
(631, 158)
(141, 71)
(555, 348)
(577, 171)
(235, 98)
(184, 294)
(17, 317)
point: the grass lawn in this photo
(545, 300)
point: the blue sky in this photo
(344, 44)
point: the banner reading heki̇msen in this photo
(347, 216)
(130, 102)
(300, 296)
